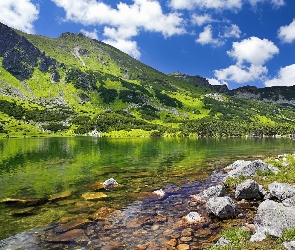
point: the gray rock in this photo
(289, 245)
(281, 191)
(272, 218)
(244, 168)
(222, 242)
(248, 189)
(222, 207)
(289, 202)
(262, 192)
(214, 191)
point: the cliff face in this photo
(275, 95)
(20, 57)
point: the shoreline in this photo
(177, 203)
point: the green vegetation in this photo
(75, 76)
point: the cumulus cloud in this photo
(120, 38)
(286, 77)
(232, 31)
(274, 3)
(206, 37)
(90, 34)
(253, 50)
(141, 15)
(214, 81)
(201, 19)
(128, 46)
(250, 55)
(241, 74)
(19, 14)
(287, 33)
(207, 4)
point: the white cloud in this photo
(19, 14)
(141, 15)
(253, 50)
(250, 55)
(241, 74)
(90, 34)
(232, 31)
(207, 4)
(214, 81)
(206, 37)
(286, 77)
(201, 19)
(278, 3)
(129, 47)
(146, 14)
(287, 33)
(120, 38)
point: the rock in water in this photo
(272, 218)
(110, 184)
(193, 217)
(222, 207)
(160, 192)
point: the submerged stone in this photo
(75, 235)
(23, 202)
(94, 195)
(61, 195)
(71, 225)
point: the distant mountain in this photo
(73, 85)
(276, 95)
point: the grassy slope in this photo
(118, 82)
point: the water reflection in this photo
(40, 167)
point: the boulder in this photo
(289, 245)
(281, 191)
(248, 189)
(272, 218)
(222, 207)
(214, 191)
(246, 168)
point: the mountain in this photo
(74, 85)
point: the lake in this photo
(43, 167)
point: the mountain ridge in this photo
(74, 85)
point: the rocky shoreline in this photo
(188, 217)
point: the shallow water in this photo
(40, 167)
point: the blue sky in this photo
(237, 42)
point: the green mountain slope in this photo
(75, 85)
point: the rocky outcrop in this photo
(20, 57)
(272, 218)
